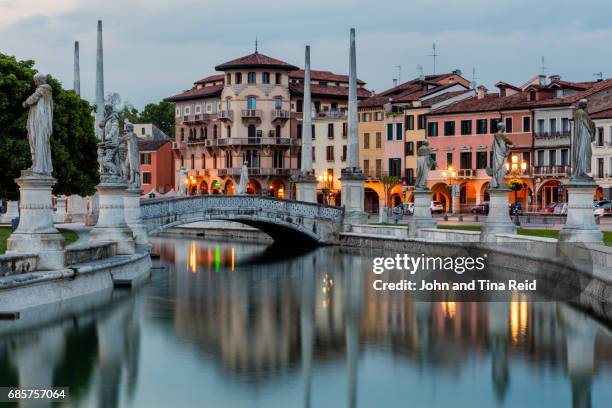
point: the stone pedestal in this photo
(131, 200)
(383, 214)
(12, 212)
(111, 225)
(36, 233)
(456, 202)
(353, 181)
(422, 212)
(59, 216)
(306, 188)
(498, 220)
(580, 225)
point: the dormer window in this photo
(532, 95)
(252, 78)
(265, 78)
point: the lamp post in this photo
(516, 168)
(327, 179)
(451, 175)
(190, 182)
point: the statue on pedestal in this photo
(244, 179)
(424, 164)
(583, 137)
(501, 150)
(108, 148)
(132, 159)
(40, 125)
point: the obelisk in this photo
(77, 70)
(352, 178)
(99, 82)
(306, 182)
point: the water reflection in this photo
(244, 325)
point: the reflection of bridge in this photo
(281, 219)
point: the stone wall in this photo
(14, 264)
(90, 252)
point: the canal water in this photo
(244, 325)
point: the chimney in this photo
(481, 91)
(394, 82)
(554, 77)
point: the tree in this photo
(515, 185)
(73, 143)
(388, 183)
(161, 115)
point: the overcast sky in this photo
(156, 48)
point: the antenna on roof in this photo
(419, 68)
(434, 55)
(544, 67)
(599, 75)
(255, 44)
(473, 83)
(399, 73)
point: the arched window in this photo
(201, 133)
(192, 162)
(229, 131)
(299, 105)
(214, 131)
(182, 134)
(182, 161)
(299, 131)
(251, 102)
(265, 78)
(228, 79)
(228, 104)
(228, 160)
(203, 161)
(252, 78)
(252, 132)
(214, 160)
(278, 102)
(205, 133)
(278, 131)
(238, 78)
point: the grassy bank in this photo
(545, 233)
(69, 235)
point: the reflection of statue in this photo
(584, 135)
(133, 162)
(110, 141)
(424, 164)
(500, 149)
(40, 125)
(244, 179)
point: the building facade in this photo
(156, 166)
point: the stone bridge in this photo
(283, 220)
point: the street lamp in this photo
(451, 175)
(516, 168)
(327, 179)
(190, 182)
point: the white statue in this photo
(183, 181)
(107, 149)
(244, 179)
(132, 160)
(424, 164)
(501, 150)
(583, 137)
(40, 125)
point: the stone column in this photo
(352, 178)
(99, 83)
(306, 182)
(111, 225)
(580, 225)
(12, 212)
(422, 212)
(498, 221)
(36, 233)
(133, 216)
(59, 216)
(77, 70)
(456, 199)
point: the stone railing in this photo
(15, 264)
(90, 252)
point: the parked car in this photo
(602, 210)
(599, 203)
(550, 208)
(482, 208)
(560, 208)
(436, 207)
(515, 209)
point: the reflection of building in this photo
(252, 114)
(156, 165)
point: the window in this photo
(481, 160)
(465, 161)
(378, 140)
(228, 104)
(565, 157)
(449, 159)
(508, 125)
(378, 116)
(493, 124)
(182, 134)
(251, 132)
(145, 158)
(399, 131)
(410, 177)
(313, 154)
(410, 122)
(532, 95)
(565, 125)
(366, 166)
(265, 78)
(422, 121)
(251, 102)
(214, 131)
(317, 106)
(229, 131)
(481, 127)
(313, 132)
(228, 160)
(343, 158)
(449, 128)
(526, 124)
(366, 140)
(540, 157)
(600, 167)
(552, 157)
(278, 103)
(146, 177)
(251, 78)
(299, 131)
(329, 153)
(378, 167)
(142, 130)
(345, 129)
(238, 78)
(277, 131)
(252, 158)
(432, 129)
(600, 136)
(203, 161)
(277, 78)
(192, 162)
(228, 79)
(466, 127)
(367, 117)
(278, 160)
(395, 167)
(389, 131)
(409, 149)
(330, 130)
(552, 125)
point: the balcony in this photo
(465, 173)
(196, 119)
(552, 135)
(552, 171)
(251, 114)
(258, 171)
(280, 114)
(226, 115)
(374, 174)
(332, 114)
(253, 141)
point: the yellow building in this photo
(372, 152)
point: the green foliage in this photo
(73, 144)
(515, 185)
(161, 115)
(388, 183)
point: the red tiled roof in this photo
(571, 85)
(491, 102)
(203, 92)
(569, 100)
(604, 114)
(328, 91)
(502, 84)
(151, 145)
(211, 78)
(322, 76)
(406, 92)
(256, 60)
(441, 98)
